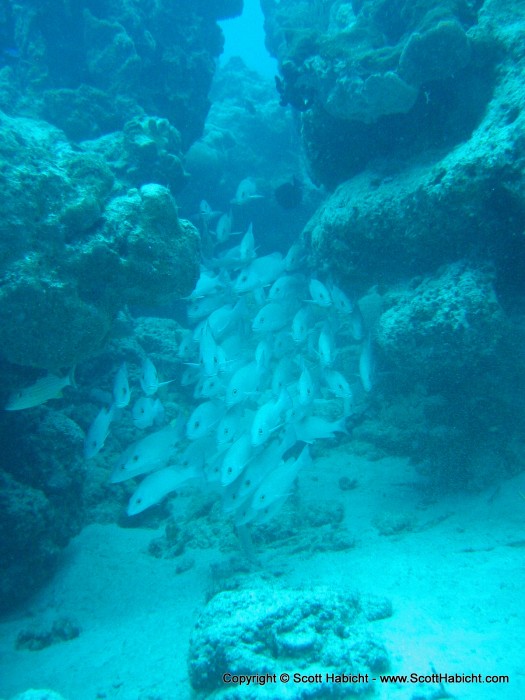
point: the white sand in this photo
(456, 611)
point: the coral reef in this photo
(42, 476)
(89, 67)
(450, 325)
(64, 239)
(257, 631)
(441, 233)
(377, 72)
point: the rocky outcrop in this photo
(90, 67)
(376, 78)
(41, 478)
(72, 256)
(437, 225)
(449, 325)
(403, 218)
(256, 631)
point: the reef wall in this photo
(376, 77)
(436, 222)
(98, 102)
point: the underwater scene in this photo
(262, 358)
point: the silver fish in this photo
(98, 431)
(326, 347)
(319, 293)
(260, 273)
(246, 192)
(225, 317)
(285, 287)
(236, 458)
(210, 353)
(121, 392)
(224, 228)
(155, 487)
(204, 419)
(146, 411)
(313, 428)
(201, 308)
(367, 365)
(44, 389)
(267, 418)
(284, 374)
(149, 378)
(143, 456)
(305, 385)
(277, 483)
(230, 426)
(263, 354)
(341, 302)
(270, 318)
(294, 257)
(247, 246)
(243, 384)
(301, 325)
(209, 388)
(208, 284)
(239, 491)
(337, 384)
(186, 350)
(357, 323)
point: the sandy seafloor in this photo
(456, 582)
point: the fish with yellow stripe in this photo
(43, 390)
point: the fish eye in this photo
(260, 431)
(93, 443)
(124, 390)
(139, 501)
(234, 391)
(142, 410)
(247, 482)
(196, 424)
(230, 470)
(135, 458)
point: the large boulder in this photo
(42, 476)
(372, 78)
(267, 631)
(72, 256)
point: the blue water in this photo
(244, 37)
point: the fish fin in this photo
(71, 377)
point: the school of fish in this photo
(260, 363)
